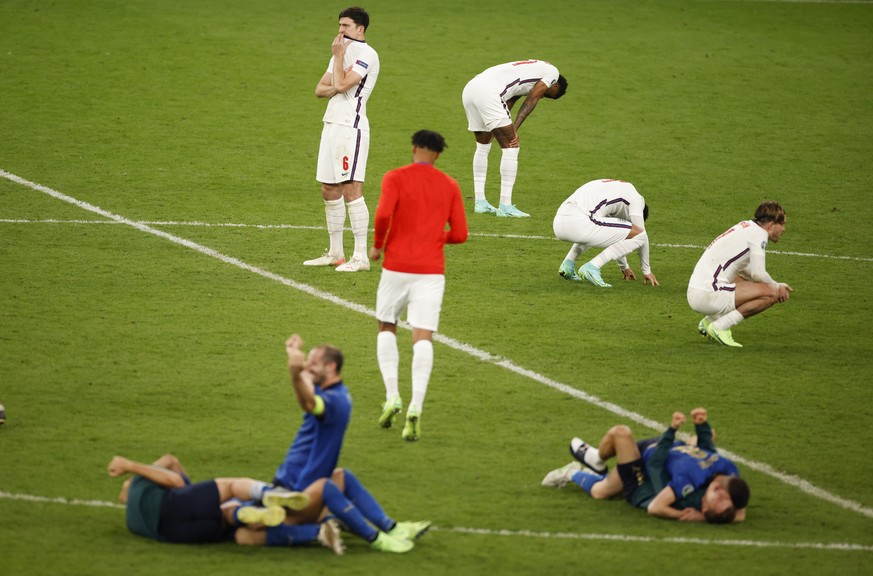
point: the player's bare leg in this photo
(750, 298)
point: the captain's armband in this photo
(318, 409)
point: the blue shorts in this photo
(192, 514)
(638, 489)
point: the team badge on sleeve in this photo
(362, 64)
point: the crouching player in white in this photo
(730, 282)
(345, 139)
(607, 214)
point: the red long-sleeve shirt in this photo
(416, 203)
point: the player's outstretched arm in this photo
(160, 476)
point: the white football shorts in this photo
(342, 154)
(421, 295)
(711, 302)
(484, 107)
(572, 224)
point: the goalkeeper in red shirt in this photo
(410, 229)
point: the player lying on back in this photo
(667, 477)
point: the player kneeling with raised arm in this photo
(666, 477)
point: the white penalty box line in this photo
(195, 224)
(620, 538)
(791, 480)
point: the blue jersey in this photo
(316, 448)
(690, 468)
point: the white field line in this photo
(174, 223)
(837, 546)
(796, 482)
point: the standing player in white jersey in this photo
(487, 99)
(345, 139)
(607, 214)
(730, 282)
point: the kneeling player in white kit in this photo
(345, 139)
(607, 214)
(730, 282)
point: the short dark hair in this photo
(739, 491)
(770, 211)
(332, 354)
(562, 86)
(358, 15)
(726, 517)
(429, 139)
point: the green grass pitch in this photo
(114, 340)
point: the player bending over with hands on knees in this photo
(730, 281)
(667, 477)
(608, 214)
(488, 99)
(311, 464)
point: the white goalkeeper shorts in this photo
(420, 295)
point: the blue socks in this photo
(289, 535)
(343, 509)
(365, 502)
(586, 480)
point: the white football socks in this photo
(480, 169)
(508, 171)
(728, 320)
(335, 213)
(619, 249)
(389, 360)
(593, 459)
(422, 366)
(576, 251)
(359, 218)
(257, 491)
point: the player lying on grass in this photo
(163, 504)
(311, 463)
(666, 477)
